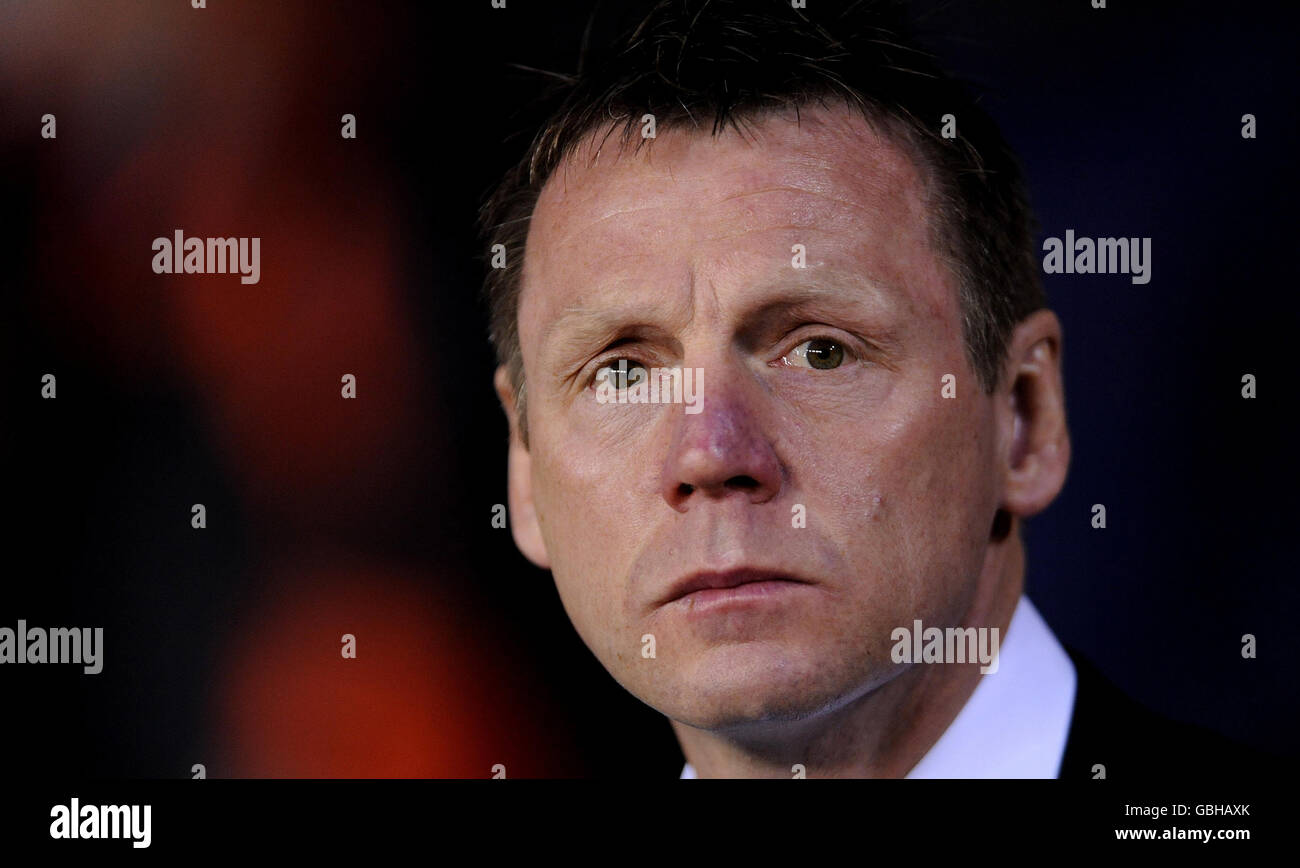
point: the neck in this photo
(885, 732)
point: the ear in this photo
(1036, 442)
(523, 514)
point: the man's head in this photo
(799, 230)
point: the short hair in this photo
(728, 62)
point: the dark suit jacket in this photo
(1133, 743)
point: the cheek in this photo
(584, 495)
(946, 507)
(911, 495)
(940, 460)
(597, 469)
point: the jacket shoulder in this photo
(1130, 742)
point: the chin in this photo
(742, 686)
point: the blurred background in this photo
(373, 516)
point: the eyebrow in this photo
(825, 288)
(583, 330)
(579, 328)
(831, 294)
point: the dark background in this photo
(372, 516)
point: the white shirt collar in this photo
(1016, 721)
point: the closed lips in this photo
(726, 579)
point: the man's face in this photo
(825, 451)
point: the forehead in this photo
(613, 217)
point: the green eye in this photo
(820, 353)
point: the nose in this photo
(722, 451)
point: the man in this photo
(824, 236)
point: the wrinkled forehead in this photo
(612, 211)
(832, 152)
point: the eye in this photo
(623, 375)
(821, 354)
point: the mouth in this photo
(741, 582)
